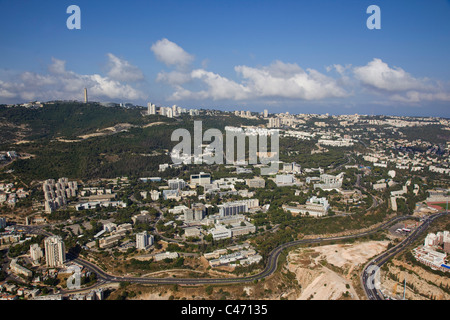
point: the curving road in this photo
(270, 268)
(368, 275)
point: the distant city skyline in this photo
(284, 56)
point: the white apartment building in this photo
(36, 252)
(143, 240)
(55, 255)
(151, 108)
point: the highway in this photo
(368, 275)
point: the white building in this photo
(256, 182)
(151, 108)
(292, 167)
(237, 207)
(176, 184)
(201, 179)
(18, 269)
(284, 179)
(379, 186)
(143, 240)
(155, 195)
(330, 182)
(192, 232)
(55, 255)
(166, 255)
(36, 252)
(316, 207)
(220, 232)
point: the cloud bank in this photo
(281, 80)
(62, 84)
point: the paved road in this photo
(269, 269)
(368, 275)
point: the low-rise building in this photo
(165, 255)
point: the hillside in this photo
(87, 141)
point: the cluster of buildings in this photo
(333, 131)
(336, 143)
(399, 194)
(231, 226)
(283, 180)
(315, 207)
(434, 159)
(247, 114)
(197, 212)
(116, 233)
(330, 182)
(57, 193)
(18, 269)
(97, 204)
(10, 291)
(9, 194)
(153, 194)
(237, 255)
(434, 250)
(170, 112)
(10, 234)
(96, 197)
(227, 223)
(96, 294)
(438, 196)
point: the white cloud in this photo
(218, 88)
(339, 68)
(171, 54)
(57, 66)
(378, 75)
(416, 96)
(286, 80)
(61, 84)
(122, 70)
(279, 80)
(174, 77)
(398, 85)
(7, 90)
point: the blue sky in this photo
(297, 56)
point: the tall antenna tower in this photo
(85, 95)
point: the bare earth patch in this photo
(328, 272)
